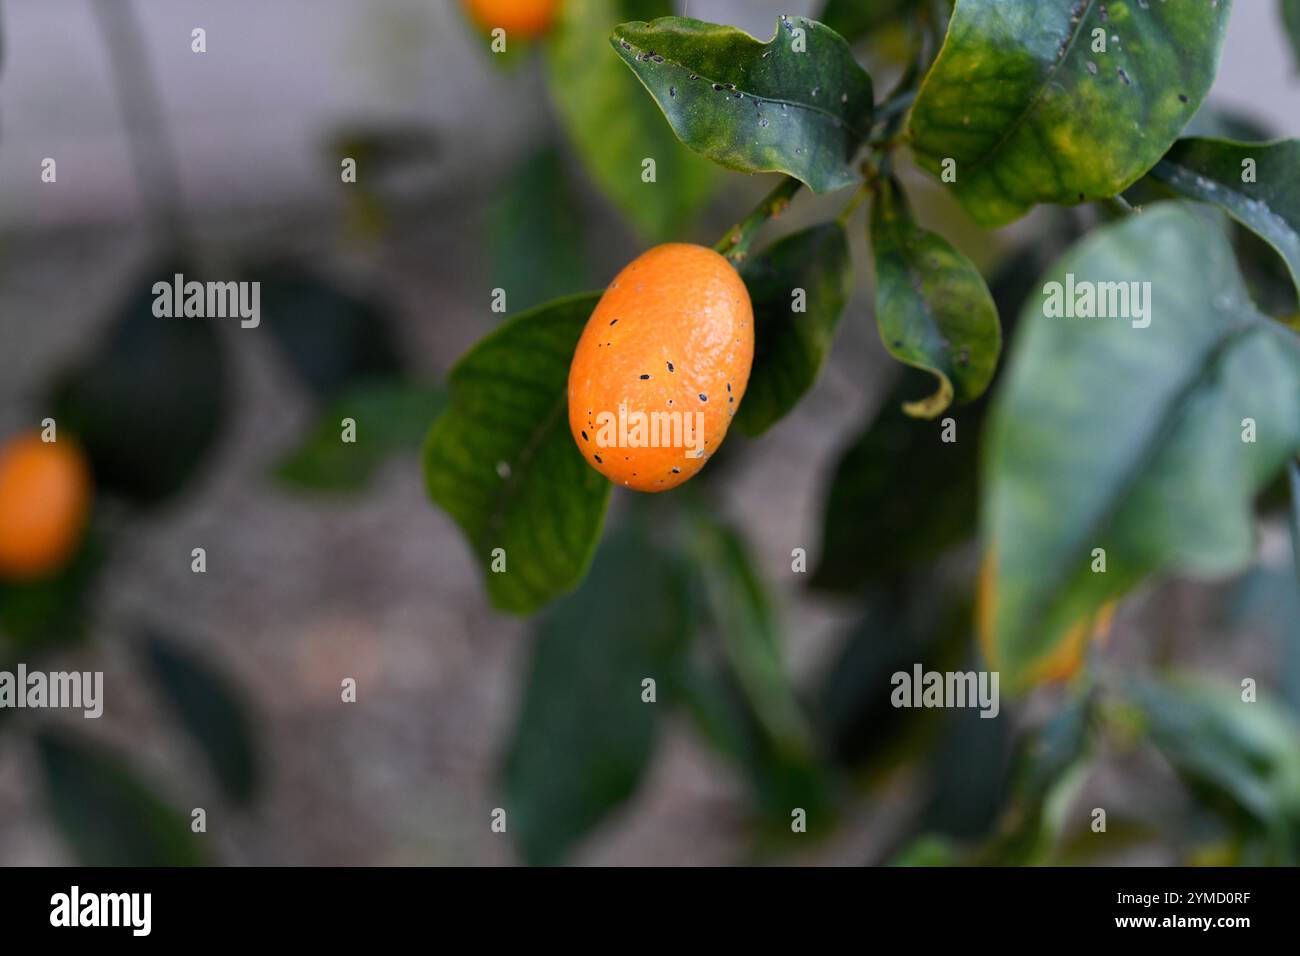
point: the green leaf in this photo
(211, 710)
(583, 735)
(1214, 171)
(39, 614)
(933, 308)
(930, 483)
(909, 620)
(1291, 19)
(900, 483)
(738, 605)
(1031, 114)
(614, 127)
(746, 704)
(1106, 435)
(390, 417)
(329, 336)
(501, 461)
(1230, 750)
(108, 816)
(148, 405)
(535, 234)
(790, 346)
(756, 107)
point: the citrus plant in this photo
(1115, 446)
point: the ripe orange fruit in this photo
(44, 505)
(661, 367)
(1066, 659)
(519, 18)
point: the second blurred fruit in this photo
(45, 491)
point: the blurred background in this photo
(222, 688)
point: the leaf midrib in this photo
(1037, 98)
(1148, 451)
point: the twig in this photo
(735, 244)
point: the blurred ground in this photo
(300, 591)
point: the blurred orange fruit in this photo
(1066, 659)
(519, 18)
(44, 504)
(661, 367)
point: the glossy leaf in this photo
(1258, 184)
(752, 106)
(211, 710)
(933, 307)
(1130, 439)
(615, 127)
(583, 735)
(535, 234)
(109, 817)
(500, 460)
(148, 404)
(390, 417)
(809, 271)
(1022, 99)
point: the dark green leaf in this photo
(211, 710)
(500, 460)
(968, 775)
(330, 337)
(746, 704)
(108, 816)
(933, 308)
(899, 497)
(1258, 184)
(536, 234)
(615, 127)
(790, 346)
(390, 417)
(756, 107)
(907, 621)
(39, 614)
(748, 626)
(1111, 435)
(148, 404)
(1031, 114)
(583, 735)
(929, 484)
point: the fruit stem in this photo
(734, 246)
